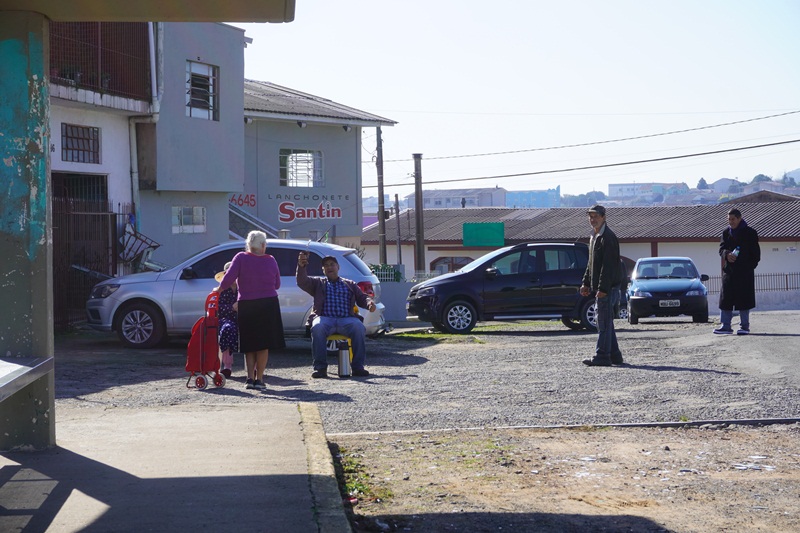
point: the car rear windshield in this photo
(666, 269)
(360, 265)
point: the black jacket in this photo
(738, 278)
(605, 265)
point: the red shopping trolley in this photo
(202, 354)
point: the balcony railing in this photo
(106, 57)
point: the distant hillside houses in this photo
(486, 197)
(719, 191)
(633, 190)
(619, 194)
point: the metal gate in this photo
(86, 240)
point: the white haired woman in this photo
(258, 278)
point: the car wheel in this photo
(589, 314)
(140, 325)
(438, 326)
(572, 323)
(459, 317)
(701, 318)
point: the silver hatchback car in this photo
(145, 308)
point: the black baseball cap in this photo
(597, 208)
(329, 258)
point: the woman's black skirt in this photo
(260, 325)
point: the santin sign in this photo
(289, 212)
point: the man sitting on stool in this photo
(334, 300)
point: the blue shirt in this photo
(337, 299)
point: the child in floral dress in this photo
(228, 324)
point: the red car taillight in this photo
(366, 288)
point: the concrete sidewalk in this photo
(263, 468)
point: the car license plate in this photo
(669, 303)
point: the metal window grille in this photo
(202, 91)
(88, 187)
(301, 168)
(80, 144)
(188, 219)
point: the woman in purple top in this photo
(258, 279)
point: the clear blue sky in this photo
(464, 77)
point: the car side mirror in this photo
(492, 272)
(704, 277)
(188, 273)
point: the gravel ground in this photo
(526, 374)
(397, 431)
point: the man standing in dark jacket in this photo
(603, 278)
(740, 254)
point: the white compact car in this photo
(145, 308)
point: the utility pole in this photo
(397, 222)
(419, 238)
(381, 207)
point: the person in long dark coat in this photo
(740, 253)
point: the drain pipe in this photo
(155, 105)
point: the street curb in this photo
(328, 508)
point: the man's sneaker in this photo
(723, 331)
(360, 372)
(259, 385)
(743, 331)
(322, 373)
(594, 361)
(249, 384)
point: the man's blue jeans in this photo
(350, 326)
(726, 315)
(607, 347)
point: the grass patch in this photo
(354, 479)
(431, 334)
(437, 337)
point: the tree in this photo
(760, 178)
(582, 200)
(702, 185)
(735, 188)
(788, 181)
(595, 197)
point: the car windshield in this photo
(666, 269)
(469, 267)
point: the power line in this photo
(595, 143)
(594, 167)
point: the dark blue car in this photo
(667, 286)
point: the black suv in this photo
(533, 280)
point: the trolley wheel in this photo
(200, 382)
(219, 380)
